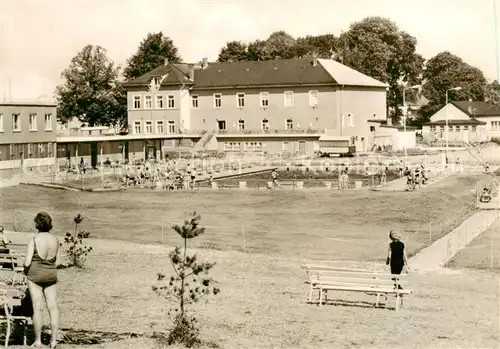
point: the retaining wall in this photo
(444, 249)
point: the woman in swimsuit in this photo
(40, 268)
(396, 254)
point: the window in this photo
(137, 102)
(284, 146)
(137, 127)
(32, 122)
(441, 128)
(372, 128)
(350, 117)
(148, 127)
(241, 124)
(288, 98)
(47, 122)
(16, 122)
(232, 146)
(157, 80)
(433, 128)
(171, 102)
(265, 124)
(1, 122)
(315, 146)
(253, 146)
(313, 98)
(41, 149)
(240, 100)
(450, 128)
(457, 128)
(159, 102)
(264, 99)
(148, 102)
(194, 101)
(159, 127)
(289, 124)
(171, 127)
(217, 100)
(221, 124)
(466, 127)
(473, 128)
(495, 125)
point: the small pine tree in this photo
(189, 283)
(76, 251)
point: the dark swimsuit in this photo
(397, 257)
(42, 272)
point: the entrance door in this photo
(150, 152)
(93, 154)
(302, 147)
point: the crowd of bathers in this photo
(415, 177)
(167, 175)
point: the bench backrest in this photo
(352, 277)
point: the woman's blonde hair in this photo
(393, 235)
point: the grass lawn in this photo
(321, 225)
(262, 304)
(479, 252)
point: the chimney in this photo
(165, 61)
(204, 63)
(314, 59)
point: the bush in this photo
(76, 251)
(495, 140)
(188, 285)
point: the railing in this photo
(258, 131)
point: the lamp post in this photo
(458, 88)
(405, 111)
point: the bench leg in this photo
(397, 301)
(378, 300)
(310, 293)
(7, 334)
(320, 296)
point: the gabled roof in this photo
(174, 74)
(261, 73)
(477, 109)
(472, 122)
(344, 75)
(287, 72)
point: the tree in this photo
(445, 71)
(376, 47)
(278, 45)
(233, 51)
(189, 283)
(151, 53)
(89, 91)
(324, 46)
(492, 93)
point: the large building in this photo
(27, 134)
(267, 106)
(467, 121)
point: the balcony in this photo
(260, 132)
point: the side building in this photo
(27, 134)
(266, 106)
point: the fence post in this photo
(244, 239)
(430, 231)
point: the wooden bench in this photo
(13, 289)
(324, 279)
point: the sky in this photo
(41, 36)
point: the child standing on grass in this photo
(396, 255)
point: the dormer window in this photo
(157, 80)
